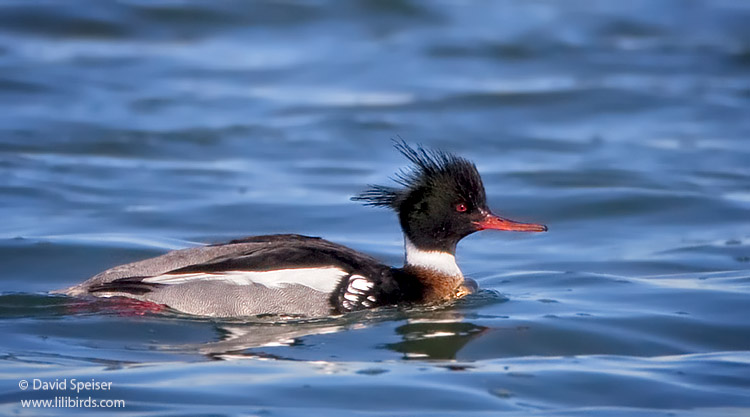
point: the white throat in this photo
(440, 262)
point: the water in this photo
(131, 128)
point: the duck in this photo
(439, 199)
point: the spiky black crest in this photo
(432, 169)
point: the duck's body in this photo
(443, 201)
(275, 274)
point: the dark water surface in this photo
(131, 128)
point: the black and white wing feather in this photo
(357, 293)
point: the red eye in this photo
(461, 207)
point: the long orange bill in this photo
(498, 223)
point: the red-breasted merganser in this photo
(441, 199)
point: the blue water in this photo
(135, 127)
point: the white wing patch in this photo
(319, 279)
(356, 293)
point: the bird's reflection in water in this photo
(421, 335)
(437, 332)
(237, 340)
(434, 339)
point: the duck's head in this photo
(441, 200)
